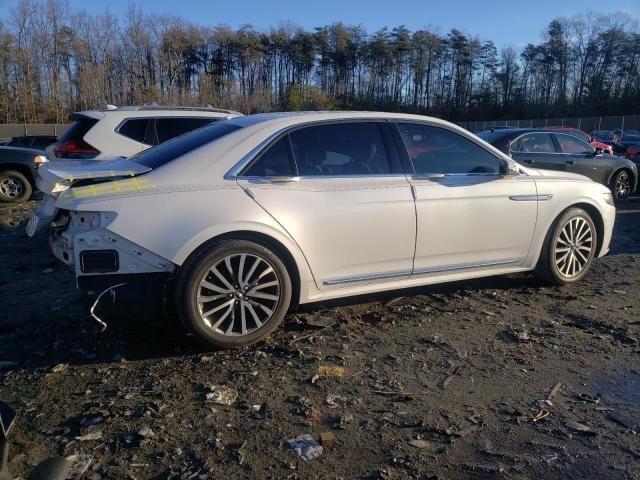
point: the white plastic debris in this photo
(306, 447)
(222, 394)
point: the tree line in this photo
(55, 60)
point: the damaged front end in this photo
(113, 274)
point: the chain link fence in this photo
(587, 124)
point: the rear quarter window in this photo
(167, 152)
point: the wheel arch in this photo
(625, 168)
(19, 167)
(294, 260)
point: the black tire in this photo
(547, 268)
(621, 186)
(14, 187)
(198, 268)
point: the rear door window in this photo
(535, 143)
(276, 161)
(135, 129)
(168, 128)
(340, 149)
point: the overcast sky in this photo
(513, 22)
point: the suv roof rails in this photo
(203, 108)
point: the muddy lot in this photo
(493, 378)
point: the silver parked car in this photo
(237, 222)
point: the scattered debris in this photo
(330, 371)
(393, 301)
(419, 443)
(93, 434)
(556, 388)
(320, 322)
(306, 447)
(541, 415)
(222, 395)
(61, 367)
(579, 427)
(327, 439)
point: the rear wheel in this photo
(569, 248)
(233, 293)
(621, 186)
(14, 187)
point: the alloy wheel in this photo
(574, 247)
(622, 186)
(238, 294)
(11, 187)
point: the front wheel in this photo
(569, 248)
(233, 293)
(621, 186)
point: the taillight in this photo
(77, 149)
(631, 152)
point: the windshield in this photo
(167, 152)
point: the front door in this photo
(469, 215)
(537, 150)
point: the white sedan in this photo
(234, 224)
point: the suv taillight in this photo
(75, 149)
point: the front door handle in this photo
(570, 162)
(529, 161)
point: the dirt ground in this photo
(502, 377)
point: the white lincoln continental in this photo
(233, 224)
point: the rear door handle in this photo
(570, 162)
(427, 176)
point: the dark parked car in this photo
(560, 151)
(39, 142)
(17, 172)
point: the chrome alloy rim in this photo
(238, 294)
(11, 187)
(573, 247)
(623, 186)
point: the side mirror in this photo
(509, 168)
(597, 151)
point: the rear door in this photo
(580, 157)
(537, 150)
(339, 191)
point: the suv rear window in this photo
(78, 128)
(166, 152)
(168, 128)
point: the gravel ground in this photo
(502, 377)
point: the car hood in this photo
(51, 175)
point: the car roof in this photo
(293, 118)
(155, 110)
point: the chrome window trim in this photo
(422, 271)
(234, 172)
